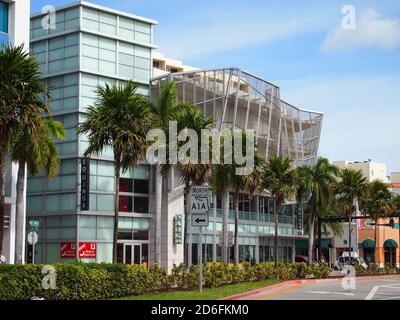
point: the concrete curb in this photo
(275, 288)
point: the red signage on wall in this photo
(67, 250)
(87, 250)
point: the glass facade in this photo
(86, 47)
(3, 23)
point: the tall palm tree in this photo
(120, 119)
(377, 204)
(352, 187)
(33, 147)
(279, 179)
(162, 111)
(191, 117)
(20, 89)
(316, 183)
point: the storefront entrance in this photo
(390, 251)
(132, 253)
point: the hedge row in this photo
(103, 281)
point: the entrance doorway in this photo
(389, 247)
(132, 253)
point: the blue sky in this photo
(353, 76)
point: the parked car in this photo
(301, 259)
(344, 260)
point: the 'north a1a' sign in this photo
(200, 200)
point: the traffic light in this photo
(391, 223)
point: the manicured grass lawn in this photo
(208, 294)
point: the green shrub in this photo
(105, 280)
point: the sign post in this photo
(33, 237)
(200, 204)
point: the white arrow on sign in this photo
(200, 220)
(32, 237)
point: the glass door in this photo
(129, 253)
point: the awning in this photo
(303, 244)
(390, 243)
(367, 243)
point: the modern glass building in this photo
(237, 99)
(14, 31)
(89, 45)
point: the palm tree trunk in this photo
(2, 197)
(20, 215)
(276, 213)
(225, 212)
(186, 234)
(375, 237)
(350, 248)
(236, 248)
(311, 225)
(158, 201)
(116, 208)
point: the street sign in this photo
(200, 200)
(178, 226)
(87, 250)
(32, 237)
(67, 250)
(396, 226)
(34, 223)
(200, 220)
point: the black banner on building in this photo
(85, 187)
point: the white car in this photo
(344, 260)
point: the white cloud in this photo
(372, 30)
(361, 115)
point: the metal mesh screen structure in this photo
(237, 99)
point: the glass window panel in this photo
(41, 57)
(105, 234)
(53, 184)
(71, 51)
(140, 223)
(68, 201)
(142, 27)
(72, 13)
(107, 67)
(90, 63)
(142, 52)
(108, 44)
(71, 103)
(89, 91)
(125, 223)
(126, 23)
(56, 43)
(59, 27)
(126, 59)
(141, 205)
(125, 204)
(90, 51)
(105, 184)
(126, 48)
(89, 79)
(69, 182)
(70, 91)
(35, 203)
(36, 185)
(87, 233)
(55, 66)
(68, 221)
(71, 79)
(105, 222)
(141, 234)
(108, 18)
(90, 40)
(69, 147)
(71, 63)
(125, 71)
(87, 221)
(39, 32)
(142, 37)
(39, 47)
(60, 15)
(53, 234)
(90, 24)
(125, 185)
(142, 74)
(71, 24)
(142, 62)
(105, 168)
(90, 14)
(68, 233)
(53, 202)
(141, 186)
(127, 34)
(107, 28)
(107, 55)
(105, 202)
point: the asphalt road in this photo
(387, 288)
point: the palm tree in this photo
(279, 179)
(120, 119)
(351, 188)
(191, 117)
(316, 182)
(20, 101)
(377, 204)
(33, 147)
(163, 111)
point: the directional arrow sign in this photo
(200, 220)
